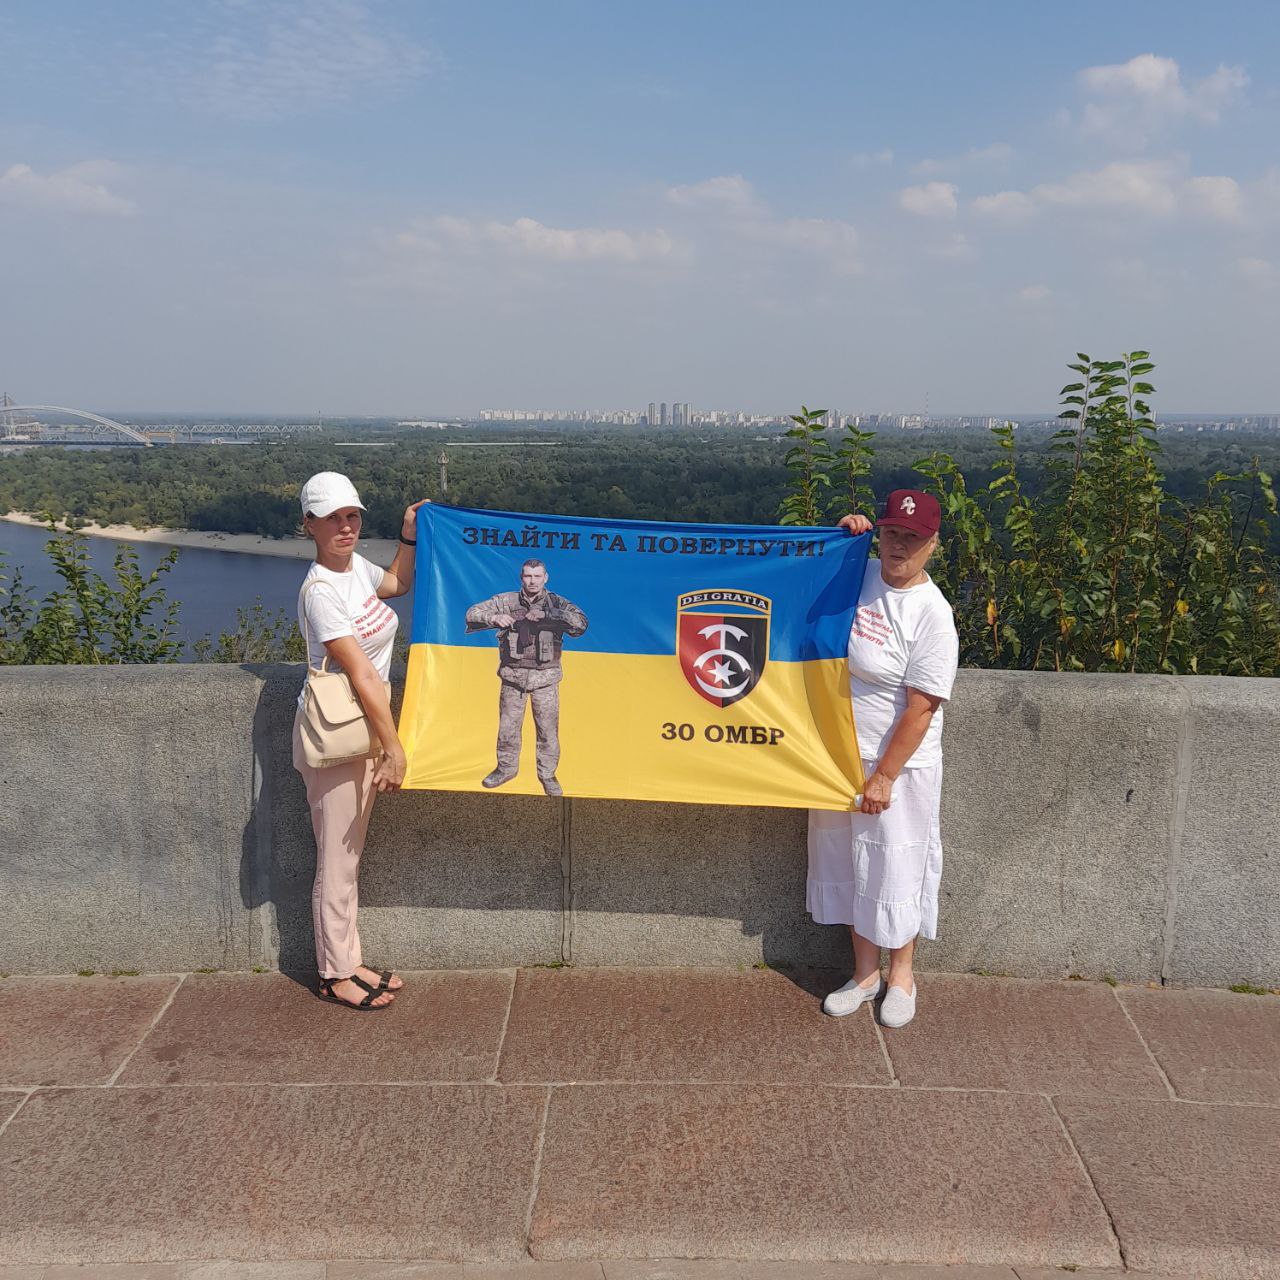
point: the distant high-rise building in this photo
(653, 413)
(680, 414)
(663, 420)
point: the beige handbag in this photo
(334, 725)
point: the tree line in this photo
(1101, 545)
(630, 473)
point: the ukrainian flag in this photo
(641, 661)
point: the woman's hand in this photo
(388, 774)
(877, 791)
(856, 524)
(409, 529)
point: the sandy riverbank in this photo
(379, 550)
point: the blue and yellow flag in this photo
(629, 660)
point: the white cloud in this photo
(1217, 198)
(1144, 76)
(1134, 99)
(930, 200)
(1005, 206)
(1146, 186)
(731, 193)
(528, 238)
(869, 159)
(739, 214)
(1033, 294)
(79, 189)
(997, 154)
(1155, 188)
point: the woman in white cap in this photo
(877, 870)
(343, 616)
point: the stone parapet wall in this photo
(1122, 826)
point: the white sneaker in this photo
(844, 1000)
(898, 1008)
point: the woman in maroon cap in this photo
(877, 869)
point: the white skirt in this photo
(880, 873)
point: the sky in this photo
(415, 207)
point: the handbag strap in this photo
(323, 668)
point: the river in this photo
(209, 586)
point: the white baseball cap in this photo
(327, 492)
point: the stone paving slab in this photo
(734, 1270)
(1215, 1046)
(1191, 1188)
(526, 1269)
(957, 1273)
(253, 1121)
(813, 1173)
(678, 1024)
(1013, 1033)
(731, 1270)
(10, 1101)
(529, 1269)
(123, 1271)
(270, 1028)
(269, 1172)
(1057, 1273)
(98, 1022)
(188, 1271)
(252, 1271)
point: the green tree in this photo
(1106, 570)
(16, 613)
(852, 465)
(91, 620)
(259, 636)
(809, 461)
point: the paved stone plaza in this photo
(535, 1122)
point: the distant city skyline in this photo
(15, 417)
(414, 210)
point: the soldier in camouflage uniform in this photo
(531, 625)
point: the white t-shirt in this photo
(900, 637)
(347, 604)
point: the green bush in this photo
(260, 636)
(1104, 570)
(90, 620)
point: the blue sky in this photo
(414, 207)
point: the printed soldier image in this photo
(531, 624)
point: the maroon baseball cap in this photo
(912, 509)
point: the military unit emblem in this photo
(722, 641)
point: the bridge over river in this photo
(60, 424)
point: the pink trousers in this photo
(341, 799)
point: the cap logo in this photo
(909, 505)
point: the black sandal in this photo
(384, 979)
(364, 1006)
